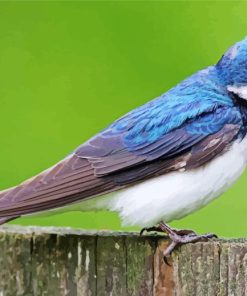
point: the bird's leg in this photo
(178, 237)
(166, 228)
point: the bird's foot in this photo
(178, 237)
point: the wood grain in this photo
(36, 261)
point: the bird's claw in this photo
(178, 237)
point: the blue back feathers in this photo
(200, 103)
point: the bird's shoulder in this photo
(198, 94)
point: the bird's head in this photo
(232, 67)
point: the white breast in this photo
(175, 195)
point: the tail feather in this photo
(5, 220)
(3, 193)
(69, 181)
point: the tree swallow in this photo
(159, 162)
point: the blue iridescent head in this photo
(232, 67)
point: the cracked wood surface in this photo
(37, 261)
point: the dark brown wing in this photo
(74, 178)
(70, 180)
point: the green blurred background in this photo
(68, 69)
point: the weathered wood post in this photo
(46, 261)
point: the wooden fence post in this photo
(37, 261)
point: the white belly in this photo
(178, 194)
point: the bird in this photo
(160, 162)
